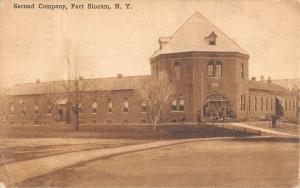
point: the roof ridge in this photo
(222, 32)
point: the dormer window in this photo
(211, 38)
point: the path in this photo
(19, 171)
(263, 130)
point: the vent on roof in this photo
(253, 78)
(80, 77)
(38, 81)
(269, 80)
(211, 38)
(119, 75)
(262, 78)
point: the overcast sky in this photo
(34, 43)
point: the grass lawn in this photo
(118, 132)
(18, 149)
(233, 163)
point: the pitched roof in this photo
(98, 84)
(288, 83)
(191, 37)
(260, 85)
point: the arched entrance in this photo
(217, 107)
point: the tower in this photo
(210, 71)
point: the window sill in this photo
(215, 78)
(178, 111)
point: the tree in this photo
(156, 92)
(78, 91)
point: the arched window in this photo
(23, 110)
(94, 107)
(109, 105)
(49, 109)
(242, 70)
(219, 69)
(144, 106)
(174, 105)
(210, 69)
(177, 70)
(79, 108)
(12, 108)
(36, 107)
(125, 105)
(181, 103)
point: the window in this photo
(244, 103)
(214, 69)
(249, 102)
(49, 109)
(12, 108)
(177, 70)
(125, 105)
(241, 102)
(255, 103)
(261, 103)
(181, 103)
(289, 105)
(94, 107)
(271, 103)
(293, 105)
(79, 108)
(218, 69)
(36, 109)
(210, 69)
(109, 105)
(267, 104)
(144, 106)
(23, 111)
(174, 105)
(242, 70)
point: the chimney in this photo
(262, 78)
(163, 41)
(119, 75)
(253, 78)
(269, 80)
(38, 81)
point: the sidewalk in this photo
(19, 171)
(263, 130)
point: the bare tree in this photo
(78, 91)
(156, 92)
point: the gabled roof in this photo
(260, 85)
(191, 37)
(98, 84)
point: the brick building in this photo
(210, 74)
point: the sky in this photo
(36, 43)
